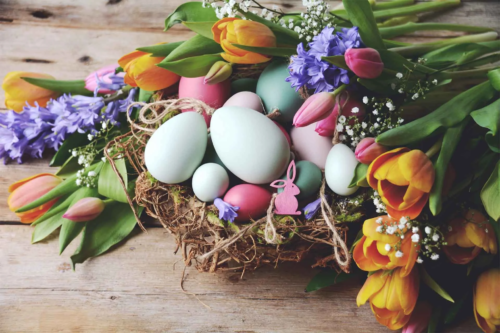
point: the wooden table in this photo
(136, 287)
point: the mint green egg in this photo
(245, 84)
(276, 93)
(211, 155)
(308, 179)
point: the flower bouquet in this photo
(272, 136)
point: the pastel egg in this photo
(211, 155)
(177, 147)
(310, 146)
(215, 95)
(245, 84)
(285, 133)
(210, 181)
(276, 93)
(253, 201)
(308, 179)
(339, 170)
(249, 144)
(246, 99)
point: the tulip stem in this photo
(339, 90)
(436, 147)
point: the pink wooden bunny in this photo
(286, 203)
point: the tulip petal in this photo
(411, 196)
(372, 285)
(364, 263)
(378, 162)
(392, 195)
(412, 212)
(418, 169)
(252, 34)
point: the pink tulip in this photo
(419, 319)
(103, 75)
(367, 150)
(365, 63)
(315, 108)
(353, 107)
(85, 209)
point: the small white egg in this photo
(339, 170)
(210, 181)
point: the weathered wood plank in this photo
(136, 288)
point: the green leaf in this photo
(494, 77)
(283, 35)
(270, 51)
(72, 141)
(145, 95)
(416, 8)
(69, 168)
(109, 184)
(488, 117)
(160, 50)
(434, 321)
(455, 308)
(408, 27)
(190, 11)
(450, 140)
(361, 15)
(457, 54)
(114, 224)
(448, 115)
(70, 87)
(70, 230)
(327, 278)
(195, 46)
(45, 228)
(338, 61)
(426, 278)
(359, 178)
(356, 240)
(398, 63)
(67, 186)
(204, 29)
(192, 67)
(490, 194)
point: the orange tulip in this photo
(376, 250)
(141, 71)
(487, 301)
(403, 179)
(18, 91)
(29, 189)
(466, 237)
(392, 297)
(229, 31)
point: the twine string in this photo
(270, 234)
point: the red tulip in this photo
(365, 63)
(315, 108)
(419, 319)
(368, 150)
(352, 107)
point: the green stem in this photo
(392, 4)
(339, 90)
(420, 49)
(467, 74)
(415, 9)
(397, 21)
(119, 95)
(391, 32)
(436, 147)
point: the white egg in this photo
(339, 171)
(249, 144)
(310, 146)
(210, 181)
(176, 149)
(246, 99)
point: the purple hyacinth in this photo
(226, 211)
(117, 82)
(311, 209)
(36, 128)
(307, 67)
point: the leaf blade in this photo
(429, 281)
(361, 15)
(193, 66)
(490, 194)
(109, 184)
(190, 11)
(76, 87)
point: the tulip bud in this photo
(104, 80)
(487, 301)
(365, 63)
(419, 319)
(220, 71)
(85, 209)
(368, 150)
(352, 107)
(315, 108)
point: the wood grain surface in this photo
(136, 286)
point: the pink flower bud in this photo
(353, 107)
(101, 75)
(419, 319)
(85, 209)
(365, 63)
(368, 150)
(315, 108)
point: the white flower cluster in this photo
(379, 205)
(431, 240)
(313, 21)
(396, 228)
(86, 179)
(413, 91)
(232, 8)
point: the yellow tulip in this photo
(28, 190)
(392, 297)
(487, 301)
(403, 179)
(18, 91)
(141, 71)
(229, 31)
(467, 235)
(371, 254)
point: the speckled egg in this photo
(253, 201)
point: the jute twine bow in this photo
(270, 234)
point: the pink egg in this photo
(214, 95)
(246, 99)
(310, 146)
(253, 201)
(284, 132)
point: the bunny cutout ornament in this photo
(286, 202)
